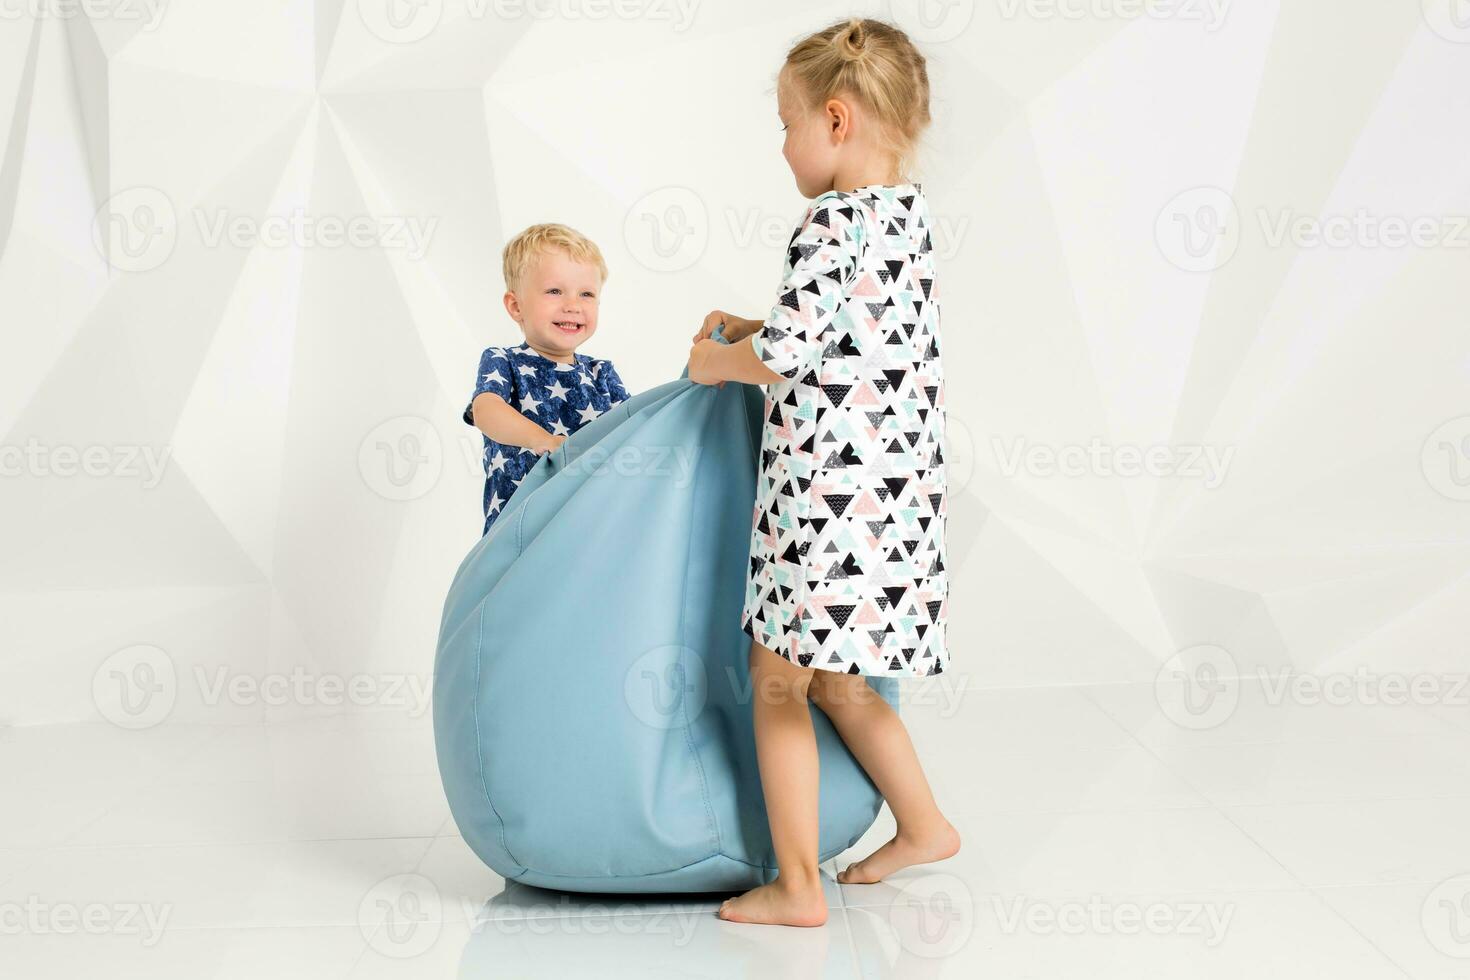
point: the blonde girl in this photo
(847, 573)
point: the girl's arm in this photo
(711, 362)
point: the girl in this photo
(846, 574)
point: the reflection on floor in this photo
(1104, 836)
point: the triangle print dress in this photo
(847, 547)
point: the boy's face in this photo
(556, 302)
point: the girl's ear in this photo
(839, 119)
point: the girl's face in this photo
(814, 138)
(556, 304)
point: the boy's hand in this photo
(548, 444)
(737, 328)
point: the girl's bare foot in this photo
(905, 849)
(779, 903)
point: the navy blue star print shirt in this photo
(561, 398)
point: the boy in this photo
(533, 395)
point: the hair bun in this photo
(852, 40)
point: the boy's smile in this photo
(556, 304)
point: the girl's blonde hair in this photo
(874, 62)
(522, 250)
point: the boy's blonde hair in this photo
(522, 250)
(876, 63)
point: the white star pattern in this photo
(561, 403)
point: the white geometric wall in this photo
(231, 443)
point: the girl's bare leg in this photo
(786, 748)
(881, 744)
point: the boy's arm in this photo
(503, 423)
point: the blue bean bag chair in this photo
(592, 693)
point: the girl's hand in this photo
(737, 328)
(700, 360)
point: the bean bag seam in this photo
(688, 736)
(479, 743)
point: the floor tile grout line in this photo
(1366, 938)
(1215, 807)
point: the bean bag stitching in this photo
(479, 743)
(688, 736)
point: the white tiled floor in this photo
(1100, 840)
